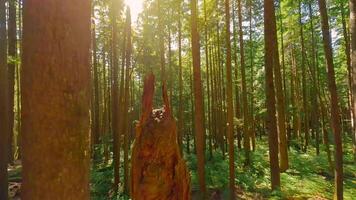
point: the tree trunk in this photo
(353, 67)
(56, 99)
(126, 102)
(246, 126)
(115, 96)
(281, 117)
(96, 110)
(304, 83)
(180, 82)
(4, 131)
(158, 169)
(335, 115)
(230, 103)
(198, 99)
(11, 74)
(270, 62)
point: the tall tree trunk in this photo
(304, 81)
(96, 120)
(180, 82)
(314, 90)
(18, 82)
(353, 67)
(252, 117)
(4, 132)
(281, 117)
(270, 62)
(335, 115)
(237, 92)
(348, 62)
(198, 99)
(230, 102)
(56, 99)
(161, 42)
(246, 126)
(126, 111)
(11, 74)
(115, 95)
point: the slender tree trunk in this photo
(19, 44)
(96, 109)
(11, 74)
(252, 117)
(161, 42)
(4, 133)
(126, 111)
(281, 117)
(348, 62)
(246, 126)
(56, 99)
(270, 62)
(314, 98)
(237, 92)
(198, 99)
(335, 115)
(180, 82)
(230, 103)
(304, 83)
(353, 67)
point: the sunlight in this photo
(136, 8)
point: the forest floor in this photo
(309, 176)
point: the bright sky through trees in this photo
(136, 8)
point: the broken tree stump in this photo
(158, 169)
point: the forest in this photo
(177, 99)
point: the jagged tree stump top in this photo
(158, 169)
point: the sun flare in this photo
(135, 6)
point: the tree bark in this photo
(230, 103)
(126, 111)
(4, 130)
(115, 95)
(246, 126)
(56, 99)
(158, 169)
(335, 115)
(353, 67)
(270, 62)
(198, 99)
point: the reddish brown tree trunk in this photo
(270, 62)
(198, 99)
(115, 96)
(3, 103)
(335, 115)
(56, 99)
(158, 169)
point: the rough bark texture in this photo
(270, 45)
(335, 115)
(198, 99)
(115, 96)
(158, 169)
(55, 99)
(3, 104)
